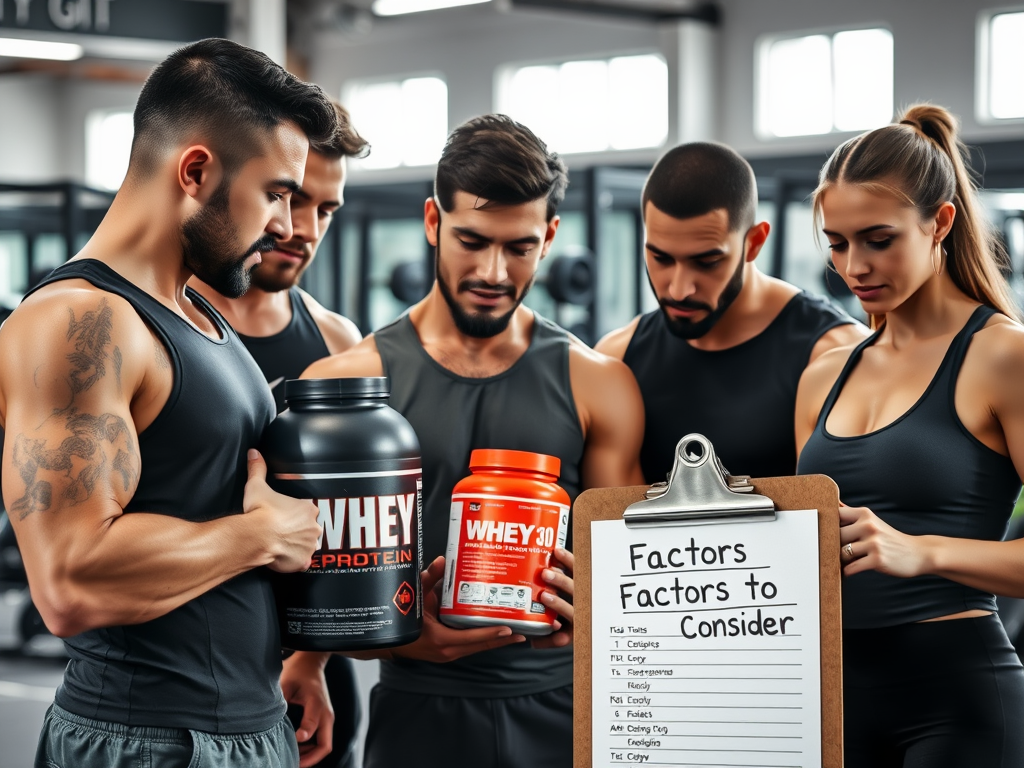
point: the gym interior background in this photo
(609, 84)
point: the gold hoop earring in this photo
(942, 253)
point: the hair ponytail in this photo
(921, 160)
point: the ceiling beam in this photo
(707, 12)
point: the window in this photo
(590, 106)
(823, 83)
(406, 121)
(108, 144)
(1001, 61)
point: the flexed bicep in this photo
(93, 451)
(69, 424)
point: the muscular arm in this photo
(612, 413)
(361, 360)
(75, 363)
(340, 333)
(615, 343)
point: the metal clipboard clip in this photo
(699, 490)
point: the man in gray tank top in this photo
(130, 409)
(470, 367)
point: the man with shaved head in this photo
(723, 353)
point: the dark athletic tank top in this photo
(287, 354)
(923, 474)
(529, 407)
(212, 664)
(743, 398)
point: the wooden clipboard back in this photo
(805, 492)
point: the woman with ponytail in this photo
(922, 427)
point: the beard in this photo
(273, 278)
(688, 329)
(479, 325)
(209, 242)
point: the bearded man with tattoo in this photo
(131, 410)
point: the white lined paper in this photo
(705, 644)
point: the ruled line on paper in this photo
(727, 664)
(696, 570)
(736, 722)
(713, 707)
(717, 608)
(755, 752)
(717, 678)
(690, 764)
(719, 735)
(736, 693)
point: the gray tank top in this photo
(528, 407)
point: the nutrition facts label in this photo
(705, 644)
(501, 595)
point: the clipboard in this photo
(699, 490)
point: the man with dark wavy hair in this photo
(471, 367)
(131, 412)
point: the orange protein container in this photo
(507, 518)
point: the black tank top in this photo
(743, 398)
(212, 664)
(923, 474)
(287, 354)
(529, 407)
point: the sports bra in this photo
(923, 474)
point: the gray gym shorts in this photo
(71, 741)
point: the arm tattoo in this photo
(82, 458)
(87, 441)
(91, 339)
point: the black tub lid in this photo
(316, 389)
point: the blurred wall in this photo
(934, 58)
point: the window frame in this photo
(345, 98)
(982, 67)
(762, 49)
(94, 118)
(504, 73)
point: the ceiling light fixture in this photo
(39, 49)
(399, 7)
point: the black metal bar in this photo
(782, 193)
(71, 215)
(641, 273)
(339, 266)
(592, 205)
(708, 13)
(363, 319)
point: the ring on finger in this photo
(849, 549)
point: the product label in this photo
(497, 547)
(365, 532)
(363, 584)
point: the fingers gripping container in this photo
(507, 517)
(339, 444)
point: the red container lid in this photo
(490, 458)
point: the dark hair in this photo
(228, 95)
(920, 161)
(345, 141)
(697, 178)
(501, 161)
